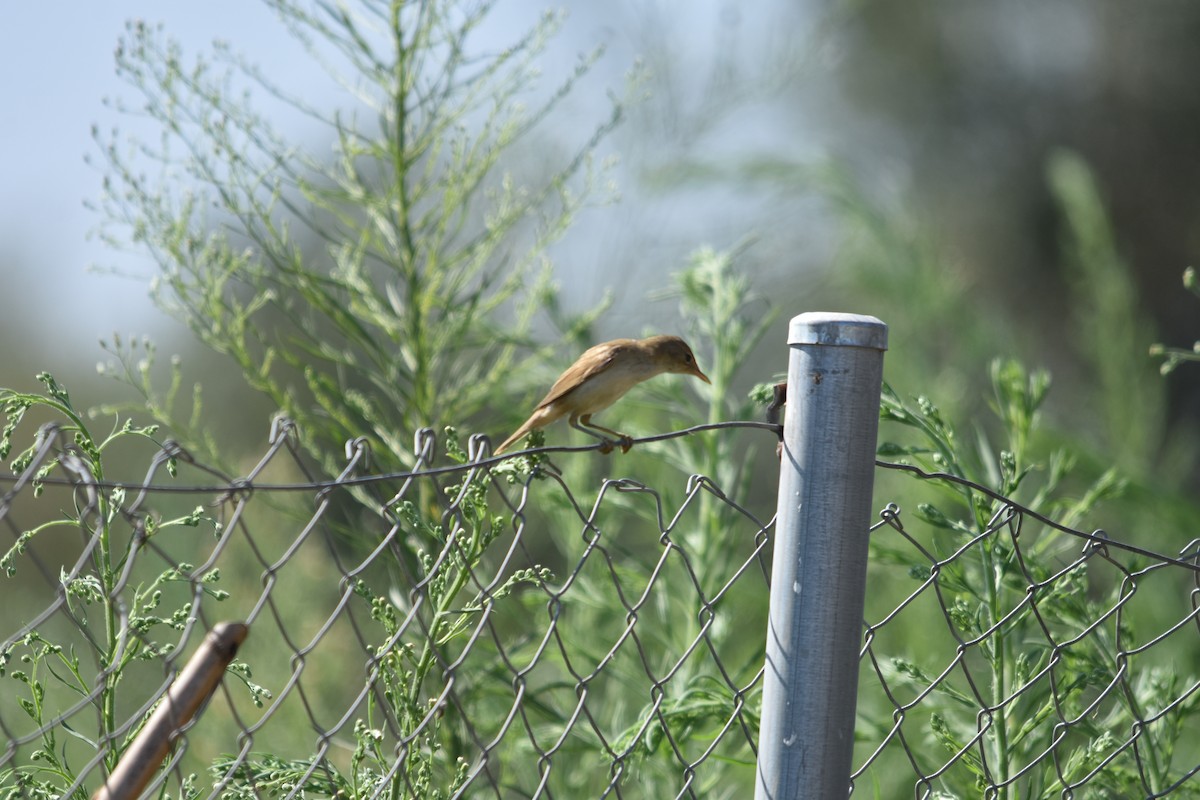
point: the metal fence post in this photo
(818, 578)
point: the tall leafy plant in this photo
(392, 284)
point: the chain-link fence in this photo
(1047, 662)
(521, 627)
(471, 629)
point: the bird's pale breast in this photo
(605, 388)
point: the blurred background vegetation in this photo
(899, 162)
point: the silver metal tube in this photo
(818, 578)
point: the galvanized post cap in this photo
(838, 330)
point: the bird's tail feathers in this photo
(521, 433)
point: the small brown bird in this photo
(600, 377)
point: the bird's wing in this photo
(593, 361)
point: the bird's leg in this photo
(584, 423)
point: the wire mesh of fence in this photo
(476, 628)
(483, 627)
(1023, 658)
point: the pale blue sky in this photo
(55, 69)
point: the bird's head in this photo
(672, 354)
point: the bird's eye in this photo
(687, 359)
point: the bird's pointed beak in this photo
(701, 376)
